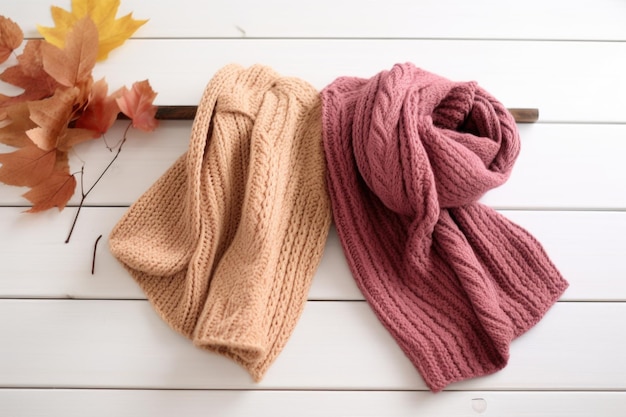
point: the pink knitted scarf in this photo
(409, 154)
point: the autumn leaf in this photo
(27, 166)
(136, 103)
(112, 32)
(54, 191)
(101, 110)
(29, 75)
(11, 37)
(73, 63)
(52, 116)
(17, 123)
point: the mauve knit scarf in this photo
(409, 154)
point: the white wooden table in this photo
(76, 344)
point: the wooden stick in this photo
(189, 112)
(525, 115)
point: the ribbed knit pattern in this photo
(409, 154)
(226, 242)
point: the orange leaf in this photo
(136, 103)
(101, 110)
(29, 75)
(53, 115)
(73, 64)
(14, 133)
(27, 167)
(11, 37)
(54, 191)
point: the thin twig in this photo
(84, 193)
(82, 180)
(76, 154)
(93, 260)
(104, 138)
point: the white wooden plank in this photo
(586, 246)
(159, 403)
(337, 345)
(60, 270)
(566, 166)
(567, 81)
(144, 158)
(535, 19)
(560, 167)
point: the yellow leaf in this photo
(112, 32)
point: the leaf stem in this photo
(84, 193)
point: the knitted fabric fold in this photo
(409, 154)
(226, 242)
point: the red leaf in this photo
(26, 167)
(136, 103)
(54, 191)
(101, 110)
(73, 64)
(11, 37)
(29, 75)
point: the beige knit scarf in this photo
(226, 242)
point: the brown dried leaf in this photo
(52, 116)
(11, 37)
(26, 167)
(29, 75)
(14, 133)
(73, 64)
(54, 191)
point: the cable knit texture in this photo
(226, 242)
(409, 154)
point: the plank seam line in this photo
(578, 122)
(364, 38)
(315, 300)
(303, 390)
